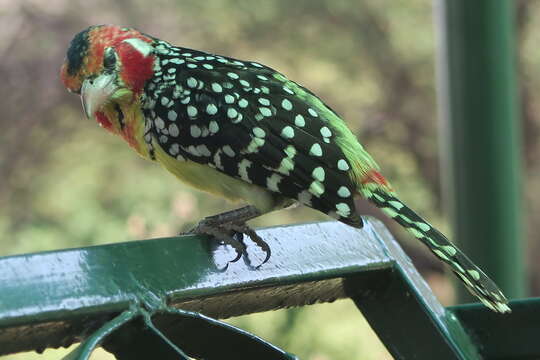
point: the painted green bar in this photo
(513, 336)
(53, 299)
(480, 135)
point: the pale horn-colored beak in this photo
(95, 93)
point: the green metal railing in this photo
(481, 135)
(158, 298)
(146, 299)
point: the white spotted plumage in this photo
(273, 136)
(265, 132)
(244, 131)
(276, 141)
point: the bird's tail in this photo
(478, 283)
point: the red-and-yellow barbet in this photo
(243, 131)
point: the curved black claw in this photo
(245, 229)
(260, 243)
(237, 242)
(232, 233)
(223, 234)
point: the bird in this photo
(243, 131)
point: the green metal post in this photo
(480, 134)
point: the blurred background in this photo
(64, 182)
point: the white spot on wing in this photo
(265, 111)
(318, 173)
(290, 150)
(285, 166)
(203, 150)
(229, 151)
(316, 150)
(217, 160)
(342, 165)
(195, 131)
(344, 192)
(299, 121)
(191, 82)
(174, 149)
(191, 111)
(171, 115)
(160, 124)
(173, 130)
(326, 132)
(258, 132)
(287, 90)
(316, 188)
(211, 109)
(242, 170)
(272, 182)
(254, 145)
(312, 112)
(232, 113)
(343, 209)
(243, 103)
(229, 99)
(287, 132)
(286, 104)
(264, 101)
(213, 126)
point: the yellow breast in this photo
(215, 182)
(200, 176)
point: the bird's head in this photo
(108, 67)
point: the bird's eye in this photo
(109, 59)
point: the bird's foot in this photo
(223, 233)
(244, 229)
(231, 233)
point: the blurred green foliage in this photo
(64, 182)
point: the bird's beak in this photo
(95, 93)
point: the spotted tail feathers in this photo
(476, 281)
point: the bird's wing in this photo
(246, 121)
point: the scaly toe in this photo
(223, 234)
(245, 229)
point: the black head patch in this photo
(78, 49)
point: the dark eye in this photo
(109, 59)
